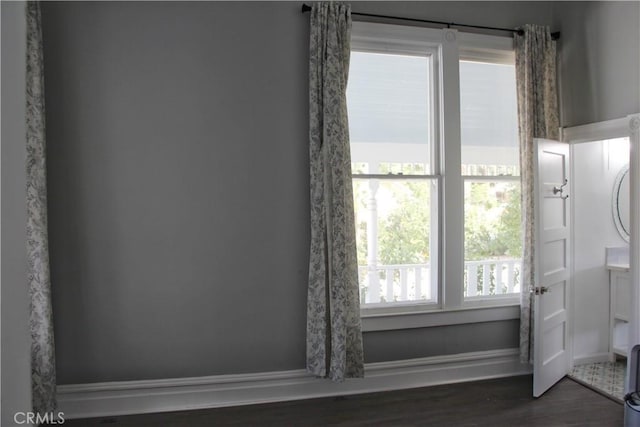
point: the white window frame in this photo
(448, 44)
(378, 38)
(496, 50)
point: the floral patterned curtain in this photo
(43, 374)
(334, 336)
(537, 118)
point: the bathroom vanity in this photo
(619, 299)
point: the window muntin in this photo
(390, 123)
(392, 128)
(488, 119)
(490, 170)
(396, 232)
(493, 240)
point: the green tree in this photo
(492, 221)
(403, 235)
(509, 230)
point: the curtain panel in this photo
(43, 375)
(334, 336)
(537, 118)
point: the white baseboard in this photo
(136, 397)
(591, 358)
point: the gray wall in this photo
(599, 61)
(178, 187)
(440, 340)
(178, 181)
(497, 13)
(16, 371)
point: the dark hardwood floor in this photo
(499, 402)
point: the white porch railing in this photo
(393, 283)
(492, 277)
(413, 282)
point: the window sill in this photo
(438, 317)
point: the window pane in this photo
(488, 115)
(389, 114)
(396, 231)
(492, 237)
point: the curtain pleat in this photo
(537, 118)
(43, 375)
(334, 336)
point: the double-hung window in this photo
(434, 151)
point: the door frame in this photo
(628, 126)
(634, 257)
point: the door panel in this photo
(553, 257)
(555, 305)
(553, 213)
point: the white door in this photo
(552, 269)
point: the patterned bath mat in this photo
(606, 377)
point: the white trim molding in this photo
(136, 397)
(373, 321)
(634, 170)
(609, 129)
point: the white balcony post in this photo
(389, 272)
(511, 276)
(486, 278)
(404, 286)
(418, 281)
(472, 279)
(498, 289)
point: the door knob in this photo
(540, 290)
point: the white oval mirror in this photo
(620, 202)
